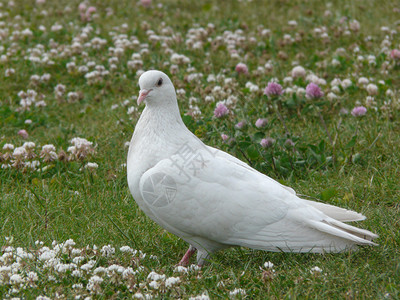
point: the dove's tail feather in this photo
(345, 231)
(337, 213)
(316, 236)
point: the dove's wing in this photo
(209, 196)
(338, 213)
(206, 195)
(237, 161)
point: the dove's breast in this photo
(151, 143)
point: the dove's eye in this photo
(159, 82)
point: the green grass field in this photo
(71, 69)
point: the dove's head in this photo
(156, 88)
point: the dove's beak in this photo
(142, 95)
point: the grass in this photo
(68, 201)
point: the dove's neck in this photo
(158, 132)
(160, 125)
(162, 118)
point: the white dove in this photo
(213, 200)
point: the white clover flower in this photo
(268, 265)
(126, 248)
(135, 64)
(16, 279)
(335, 62)
(62, 268)
(76, 273)
(389, 93)
(72, 97)
(40, 103)
(372, 89)
(68, 245)
(32, 164)
(59, 89)
(181, 269)
(45, 77)
(19, 152)
(288, 80)
(288, 91)
(298, 71)
(128, 272)
(43, 298)
(363, 81)
(9, 72)
(29, 145)
(47, 254)
(300, 92)
(180, 92)
(94, 284)
(331, 96)
(99, 270)
(83, 69)
(346, 83)
(80, 148)
(8, 147)
(316, 270)
(252, 87)
(179, 59)
(71, 66)
(154, 284)
(288, 39)
(209, 99)
(335, 89)
(132, 110)
(56, 27)
(89, 265)
(194, 268)
(155, 276)
(138, 295)
(211, 78)
(107, 251)
(32, 276)
(78, 259)
(48, 153)
(48, 148)
(203, 296)
(370, 102)
(170, 281)
(354, 25)
(237, 292)
(91, 166)
(115, 269)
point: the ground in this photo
(69, 73)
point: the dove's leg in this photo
(202, 256)
(185, 259)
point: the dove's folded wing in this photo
(211, 196)
(235, 160)
(338, 213)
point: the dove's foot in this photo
(202, 257)
(185, 259)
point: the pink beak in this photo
(142, 95)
